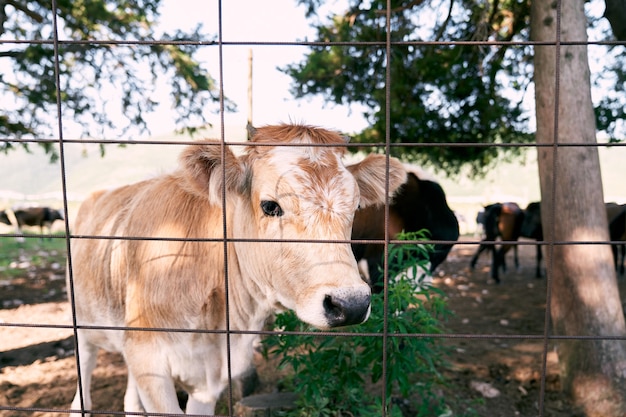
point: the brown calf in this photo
(172, 274)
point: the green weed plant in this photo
(342, 375)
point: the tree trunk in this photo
(585, 298)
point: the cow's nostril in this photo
(342, 311)
(332, 309)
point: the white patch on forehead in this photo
(336, 192)
(286, 158)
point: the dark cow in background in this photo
(418, 204)
(32, 216)
(531, 229)
(4, 218)
(616, 217)
(504, 221)
(617, 230)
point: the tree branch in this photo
(24, 9)
(3, 16)
(444, 25)
(410, 5)
(10, 54)
(354, 13)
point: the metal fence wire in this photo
(221, 44)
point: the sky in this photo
(257, 21)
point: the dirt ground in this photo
(499, 376)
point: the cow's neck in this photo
(249, 307)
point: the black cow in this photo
(32, 216)
(616, 217)
(4, 218)
(504, 221)
(531, 229)
(418, 204)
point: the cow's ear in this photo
(370, 175)
(203, 170)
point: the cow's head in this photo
(299, 200)
(56, 215)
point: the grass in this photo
(32, 252)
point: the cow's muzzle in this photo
(344, 310)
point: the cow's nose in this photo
(343, 310)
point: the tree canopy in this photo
(104, 47)
(446, 86)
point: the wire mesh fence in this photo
(70, 178)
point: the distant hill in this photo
(31, 178)
(519, 181)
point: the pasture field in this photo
(496, 376)
(32, 271)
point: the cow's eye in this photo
(271, 208)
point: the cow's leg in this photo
(132, 402)
(482, 247)
(539, 256)
(203, 401)
(497, 258)
(502, 256)
(516, 257)
(18, 231)
(621, 269)
(47, 228)
(87, 358)
(156, 391)
(151, 378)
(200, 406)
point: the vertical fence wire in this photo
(59, 107)
(551, 225)
(220, 46)
(385, 335)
